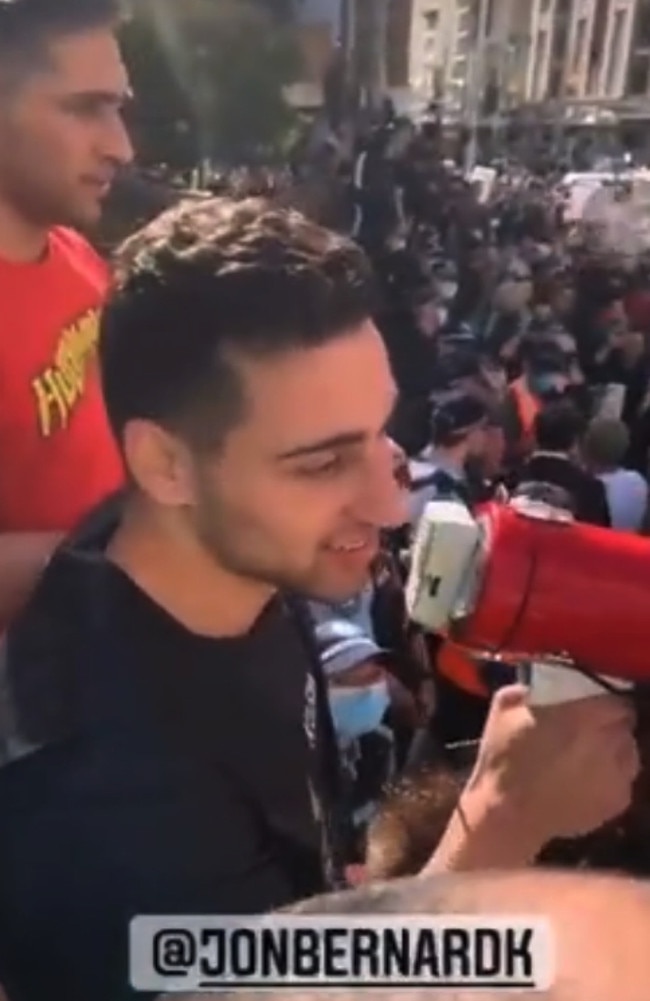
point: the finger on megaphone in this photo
(511, 697)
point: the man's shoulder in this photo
(52, 657)
(73, 250)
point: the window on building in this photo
(556, 81)
(642, 25)
(541, 45)
(431, 20)
(616, 53)
(599, 30)
(638, 77)
(580, 44)
(489, 18)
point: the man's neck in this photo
(21, 242)
(177, 573)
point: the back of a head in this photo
(559, 426)
(606, 443)
(453, 419)
(209, 282)
(456, 365)
(540, 353)
(593, 965)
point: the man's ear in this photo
(159, 463)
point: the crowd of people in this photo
(215, 452)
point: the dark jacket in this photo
(586, 493)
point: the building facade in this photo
(488, 57)
(589, 50)
(431, 48)
(602, 40)
(468, 52)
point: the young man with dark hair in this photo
(62, 140)
(458, 433)
(173, 708)
(559, 429)
(168, 747)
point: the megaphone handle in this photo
(525, 674)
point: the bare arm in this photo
(23, 556)
(481, 835)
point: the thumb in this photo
(511, 697)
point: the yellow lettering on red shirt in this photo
(62, 384)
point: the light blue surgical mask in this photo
(357, 711)
(544, 384)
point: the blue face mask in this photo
(544, 385)
(357, 711)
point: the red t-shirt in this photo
(57, 456)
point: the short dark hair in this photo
(212, 280)
(606, 442)
(454, 418)
(26, 26)
(543, 356)
(559, 426)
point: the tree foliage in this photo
(209, 76)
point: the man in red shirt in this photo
(62, 139)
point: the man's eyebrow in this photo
(346, 439)
(101, 96)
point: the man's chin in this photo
(335, 591)
(87, 214)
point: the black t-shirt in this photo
(586, 493)
(187, 777)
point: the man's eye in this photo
(325, 467)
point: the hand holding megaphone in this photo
(558, 771)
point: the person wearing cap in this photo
(458, 432)
(371, 707)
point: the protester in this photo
(215, 678)
(544, 376)
(458, 432)
(168, 746)
(605, 446)
(559, 429)
(62, 140)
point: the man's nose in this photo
(117, 142)
(382, 501)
